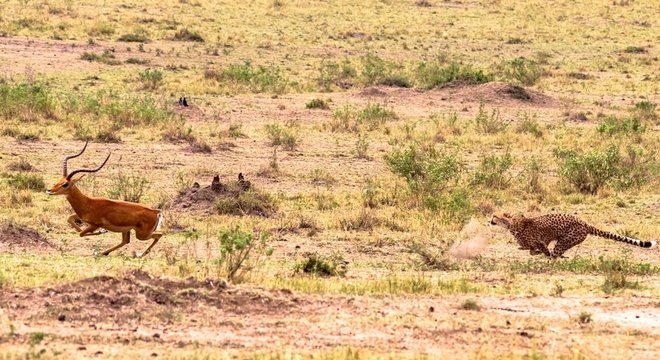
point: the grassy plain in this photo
(384, 132)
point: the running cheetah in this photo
(534, 234)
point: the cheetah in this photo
(534, 234)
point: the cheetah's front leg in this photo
(540, 248)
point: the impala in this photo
(101, 214)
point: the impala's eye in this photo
(65, 185)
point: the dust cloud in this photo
(472, 241)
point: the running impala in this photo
(101, 214)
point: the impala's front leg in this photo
(90, 230)
(73, 220)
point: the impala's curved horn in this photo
(67, 158)
(89, 170)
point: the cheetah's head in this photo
(502, 219)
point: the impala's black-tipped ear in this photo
(74, 181)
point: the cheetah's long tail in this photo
(625, 239)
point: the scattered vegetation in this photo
(248, 78)
(489, 123)
(151, 79)
(128, 187)
(317, 104)
(187, 35)
(522, 71)
(436, 74)
(251, 202)
(26, 101)
(528, 124)
(318, 265)
(139, 37)
(286, 136)
(432, 257)
(492, 173)
(107, 57)
(471, 305)
(613, 125)
(26, 181)
(239, 251)
(589, 171)
(370, 118)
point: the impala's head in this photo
(502, 219)
(68, 181)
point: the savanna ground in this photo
(378, 137)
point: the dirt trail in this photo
(140, 309)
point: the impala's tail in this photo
(159, 223)
(625, 239)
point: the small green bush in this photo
(187, 35)
(317, 104)
(135, 111)
(591, 171)
(432, 257)
(237, 250)
(528, 124)
(26, 101)
(136, 61)
(282, 135)
(522, 71)
(134, 37)
(101, 28)
(128, 187)
(317, 265)
(21, 165)
(612, 125)
(371, 118)
(151, 79)
(251, 202)
(615, 280)
(336, 74)
(492, 173)
(365, 220)
(471, 305)
(23, 181)
(426, 170)
(635, 50)
(489, 124)
(107, 57)
(250, 78)
(646, 110)
(375, 115)
(435, 74)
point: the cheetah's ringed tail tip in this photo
(653, 243)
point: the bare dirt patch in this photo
(139, 295)
(164, 314)
(497, 93)
(14, 237)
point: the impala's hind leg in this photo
(156, 237)
(125, 239)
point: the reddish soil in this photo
(16, 238)
(139, 310)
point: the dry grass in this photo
(287, 137)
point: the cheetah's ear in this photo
(506, 214)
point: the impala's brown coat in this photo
(106, 214)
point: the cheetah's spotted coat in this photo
(534, 234)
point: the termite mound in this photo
(237, 197)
